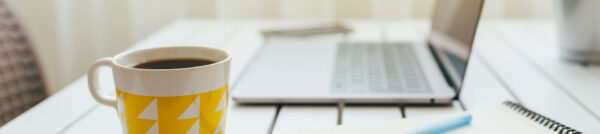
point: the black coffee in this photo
(173, 63)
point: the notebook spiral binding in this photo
(542, 120)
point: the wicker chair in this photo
(21, 83)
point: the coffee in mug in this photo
(173, 63)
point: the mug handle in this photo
(93, 82)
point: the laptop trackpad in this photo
(292, 65)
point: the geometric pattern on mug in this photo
(202, 113)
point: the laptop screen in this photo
(451, 38)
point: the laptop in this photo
(332, 68)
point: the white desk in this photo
(513, 60)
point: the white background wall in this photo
(71, 34)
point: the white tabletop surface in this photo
(514, 60)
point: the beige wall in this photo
(40, 22)
(71, 34)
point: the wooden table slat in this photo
(292, 118)
(481, 88)
(365, 114)
(249, 119)
(531, 87)
(573, 78)
(101, 120)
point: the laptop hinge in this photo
(444, 71)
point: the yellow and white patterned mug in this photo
(167, 101)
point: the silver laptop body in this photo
(331, 69)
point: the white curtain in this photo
(71, 34)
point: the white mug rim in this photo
(128, 68)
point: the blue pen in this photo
(443, 126)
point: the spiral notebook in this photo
(507, 118)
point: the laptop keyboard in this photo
(378, 68)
